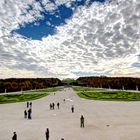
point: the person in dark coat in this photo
(30, 104)
(82, 121)
(25, 114)
(14, 136)
(58, 105)
(53, 105)
(50, 106)
(62, 138)
(72, 109)
(47, 134)
(29, 113)
(27, 104)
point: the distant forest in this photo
(126, 83)
(19, 84)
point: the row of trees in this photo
(13, 84)
(69, 82)
(126, 83)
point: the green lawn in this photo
(78, 89)
(13, 98)
(110, 95)
(48, 90)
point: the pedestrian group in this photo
(28, 114)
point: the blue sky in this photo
(47, 26)
(69, 38)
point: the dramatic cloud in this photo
(101, 39)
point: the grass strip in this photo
(47, 90)
(110, 96)
(13, 98)
(86, 89)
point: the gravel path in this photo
(103, 120)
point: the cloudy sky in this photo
(69, 38)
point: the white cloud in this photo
(49, 6)
(15, 13)
(100, 39)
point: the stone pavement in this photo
(104, 120)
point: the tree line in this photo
(126, 83)
(18, 84)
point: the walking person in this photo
(53, 105)
(14, 136)
(47, 134)
(25, 114)
(29, 114)
(72, 109)
(50, 106)
(82, 121)
(58, 105)
(27, 104)
(30, 104)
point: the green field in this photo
(78, 89)
(13, 98)
(48, 90)
(108, 95)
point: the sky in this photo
(69, 38)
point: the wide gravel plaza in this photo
(104, 120)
